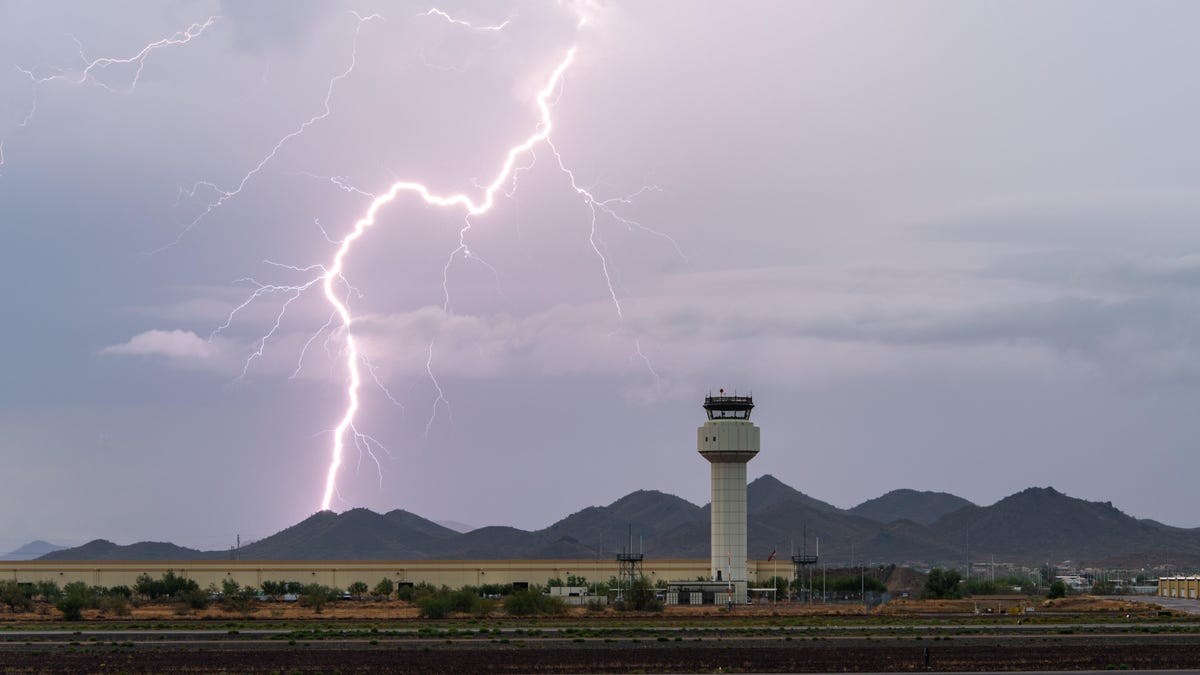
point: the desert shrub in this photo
(15, 597)
(170, 585)
(358, 589)
(465, 601)
(640, 597)
(385, 588)
(230, 587)
(274, 588)
(496, 589)
(416, 592)
(71, 607)
(531, 601)
(115, 604)
(316, 596)
(1058, 589)
(193, 599)
(48, 591)
(241, 602)
(122, 591)
(942, 584)
(434, 606)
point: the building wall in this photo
(340, 574)
(1179, 587)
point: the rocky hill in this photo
(1043, 524)
(1031, 527)
(919, 507)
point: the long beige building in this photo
(340, 574)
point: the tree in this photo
(71, 607)
(1058, 589)
(274, 588)
(780, 584)
(316, 596)
(641, 597)
(531, 601)
(48, 590)
(240, 601)
(169, 585)
(942, 584)
(384, 588)
(229, 587)
(15, 597)
(358, 589)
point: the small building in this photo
(575, 595)
(702, 593)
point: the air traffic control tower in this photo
(728, 440)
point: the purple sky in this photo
(948, 246)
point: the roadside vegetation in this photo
(174, 597)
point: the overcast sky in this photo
(948, 246)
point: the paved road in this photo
(1179, 604)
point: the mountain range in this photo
(1034, 526)
(31, 550)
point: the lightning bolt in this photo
(330, 277)
(447, 17)
(224, 195)
(86, 74)
(470, 206)
(91, 67)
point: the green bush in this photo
(434, 606)
(385, 587)
(240, 602)
(122, 591)
(48, 590)
(1058, 589)
(15, 597)
(942, 584)
(531, 601)
(169, 585)
(71, 607)
(115, 604)
(194, 598)
(230, 587)
(640, 597)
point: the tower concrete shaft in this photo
(728, 440)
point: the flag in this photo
(772, 556)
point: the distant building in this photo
(1179, 587)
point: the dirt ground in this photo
(735, 655)
(1016, 604)
(286, 637)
